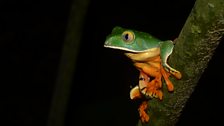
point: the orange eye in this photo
(128, 36)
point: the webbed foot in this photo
(150, 88)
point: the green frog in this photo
(149, 56)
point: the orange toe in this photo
(159, 94)
(177, 75)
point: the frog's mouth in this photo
(138, 55)
(125, 49)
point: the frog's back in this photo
(146, 40)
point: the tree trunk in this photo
(194, 48)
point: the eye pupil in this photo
(126, 36)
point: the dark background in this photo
(32, 36)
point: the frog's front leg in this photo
(150, 80)
(146, 87)
(150, 88)
(166, 49)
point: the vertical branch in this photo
(67, 64)
(194, 48)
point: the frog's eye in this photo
(128, 36)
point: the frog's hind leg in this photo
(166, 50)
(142, 112)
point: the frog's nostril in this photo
(107, 43)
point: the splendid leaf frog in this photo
(149, 55)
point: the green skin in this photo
(136, 42)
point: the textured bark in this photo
(194, 48)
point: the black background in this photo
(32, 35)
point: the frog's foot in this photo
(135, 93)
(154, 92)
(172, 71)
(142, 112)
(166, 75)
(151, 92)
(150, 88)
(176, 74)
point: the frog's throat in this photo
(144, 56)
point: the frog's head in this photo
(130, 40)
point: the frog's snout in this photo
(107, 43)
